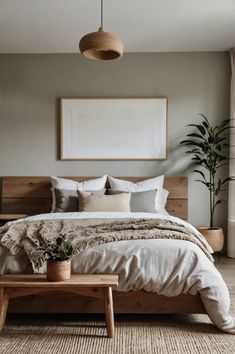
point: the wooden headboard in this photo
(32, 195)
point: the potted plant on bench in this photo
(58, 255)
(208, 145)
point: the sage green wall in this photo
(31, 84)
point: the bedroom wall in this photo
(31, 84)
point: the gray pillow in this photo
(67, 200)
(140, 201)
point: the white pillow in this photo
(160, 201)
(64, 183)
(143, 186)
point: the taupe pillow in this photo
(140, 201)
(67, 200)
(118, 203)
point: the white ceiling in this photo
(55, 26)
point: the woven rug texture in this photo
(134, 334)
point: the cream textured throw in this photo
(27, 234)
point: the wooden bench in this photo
(13, 286)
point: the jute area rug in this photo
(135, 334)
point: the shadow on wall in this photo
(177, 162)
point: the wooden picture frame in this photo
(113, 128)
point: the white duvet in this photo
(166, 267)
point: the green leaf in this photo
(195, 135)
(220, 139)
(202, 130)
(225, 181)
(206, 125)
(59, 240)
(199, 127)
(201, 173)
(217, 203)
(224, 129)
(226, 121)
(196, 150)
(205, 118)
(192, 125)
(205, 183)
(192, 143)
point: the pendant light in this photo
(101, 45)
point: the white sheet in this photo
(167, 267)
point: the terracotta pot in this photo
(58, 270)
(214, 236)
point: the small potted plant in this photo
(58, 255)
(209, 155)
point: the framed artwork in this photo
(113, 128)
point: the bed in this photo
(157, 276)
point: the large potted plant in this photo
(209, 153)
(57, 255)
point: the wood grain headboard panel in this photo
(32, 195)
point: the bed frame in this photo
(32, 195)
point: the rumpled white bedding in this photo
(166, 267)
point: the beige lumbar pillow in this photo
(117, 202)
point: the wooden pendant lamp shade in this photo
(101, 45)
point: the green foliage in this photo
(209, 152)
(61, 249)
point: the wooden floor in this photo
(226, 266)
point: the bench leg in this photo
(108, 302)
(3, 307)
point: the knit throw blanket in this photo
(27, 234)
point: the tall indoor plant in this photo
(208, 147)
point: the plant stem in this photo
(211, 201)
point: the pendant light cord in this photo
(102, 14)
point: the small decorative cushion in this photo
(64, 183)
(67, 200)
(118, 203)
(140, 201)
